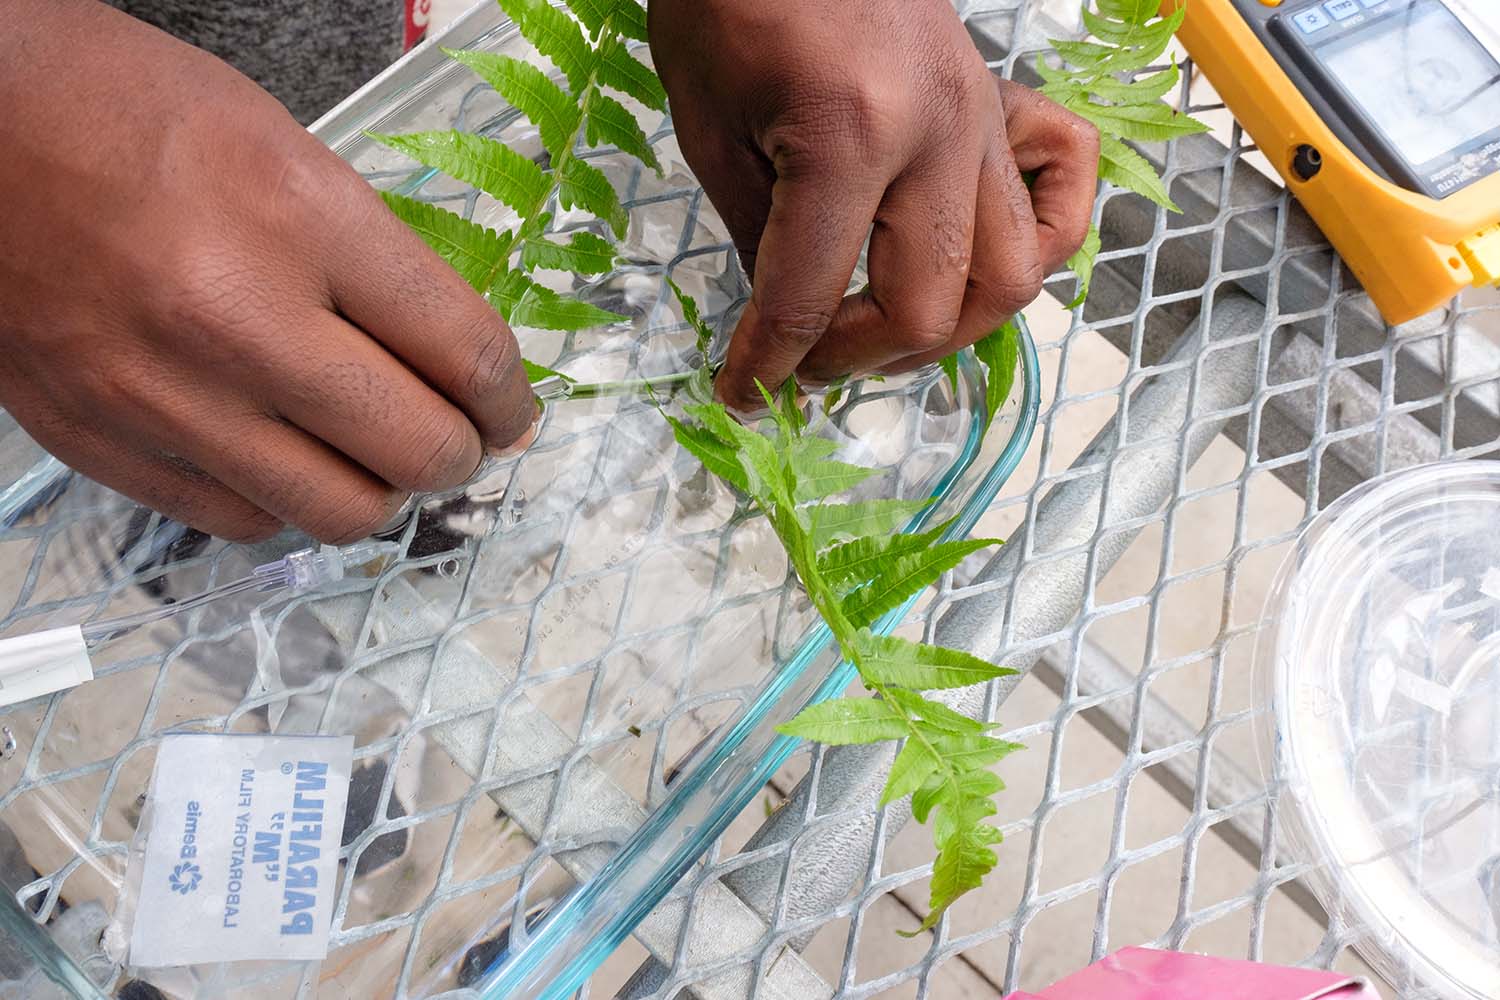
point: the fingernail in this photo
(398, 520)
(744, 414)
(523, 442)
(748, 415)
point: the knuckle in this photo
(490, 362)
(124, 393)
(1084, 136)
(444, 454)
(870, 114)
(300, 177)
(953, 86)
(1072, 136)
(1004, 293)
(1016, 289)
(514, 418)
(931, 331)
(244, 527)
(1077, 231)
(820, 128)
(211, 289)
(350, 513)
(794, 327)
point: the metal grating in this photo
(519, 703)
(1140, 799)
(1233, 327)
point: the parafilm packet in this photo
(238, 848)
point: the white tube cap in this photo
(43, 662)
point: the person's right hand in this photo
(814, 124)
(204, 308)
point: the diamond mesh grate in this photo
(1237, 384)
(519, 703)
(1246, 383)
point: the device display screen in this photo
(1421, 78)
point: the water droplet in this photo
(553, 389)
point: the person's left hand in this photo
(810, 121)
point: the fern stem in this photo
(590, 87)
(827, 604)
(644, 387)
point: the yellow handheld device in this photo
(1383, 117)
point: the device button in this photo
(1270, 3)
(1372, 3)
(1482, 253)
(1311, 20)
(1342, 9)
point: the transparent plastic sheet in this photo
(587, 648)
(645, 606)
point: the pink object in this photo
(1149, 974)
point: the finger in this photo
(1062, 150)
(289, 474)
(369, 406)
(174, 487)
(114, 454)
(1006, 273)
(737, 179)
(188, 495)
(817, 224)
(395, 288)
(918, 264)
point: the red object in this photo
(418, 14)
(1149, 974)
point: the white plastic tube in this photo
(40, 663)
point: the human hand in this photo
(810, 120)
(205, 309)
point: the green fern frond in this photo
(593, 13)
(907, 575)
(609, 123)
(852, 558)
(556, 36)
(1094, 85)
(476, 253)
(1124, 167)
(540, 373)
(898, 662)
(590, 53)
(1142, 122)
(490, 166)
(523, 302)
(583, 185)
(1082, 263)
(619, 69)
(629, 19)
(528, 89)
(999, 352)
(585, 253)
(848, 720)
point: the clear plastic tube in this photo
(297, 572)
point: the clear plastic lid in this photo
(1383, 739)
